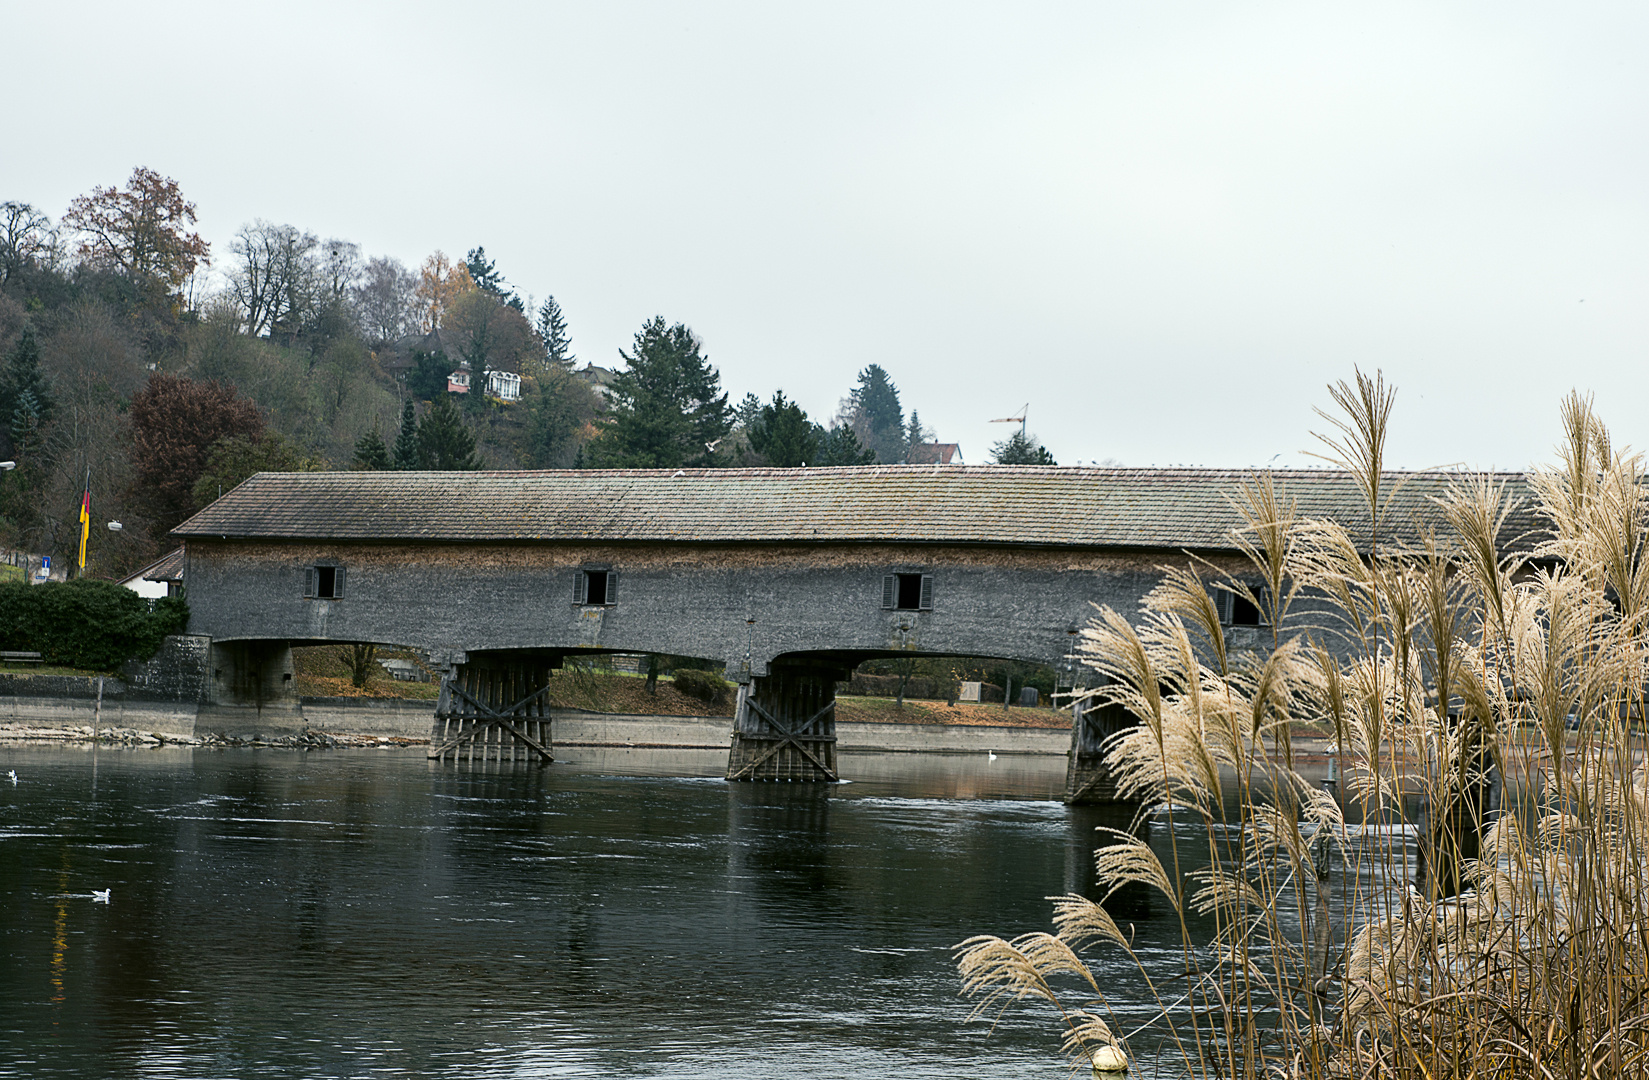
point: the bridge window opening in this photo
(1237, 611)
(323, 582)
(595, 587)
(907, 592)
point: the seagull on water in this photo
(100, 896)
(12, 776)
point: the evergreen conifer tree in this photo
(839, 446)
(25, 425)
(667, 408)
(484, 272)
(748, 413)
(407, 452)
(1021, 449)
(783, 434)
(552, 331)
(371, 454)
(23, 375)
(474, 353)
(443, 441)
(877, 419)
(558, 408)
(915, 433)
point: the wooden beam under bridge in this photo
(499, 708)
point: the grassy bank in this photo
(323, 671)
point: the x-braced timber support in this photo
(785, 726)
(469, 716)
(1087, 778)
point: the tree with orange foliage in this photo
(440, 282)
(141, 231)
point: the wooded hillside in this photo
(157, 373)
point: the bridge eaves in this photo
(997, 505)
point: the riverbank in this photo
(327, 723)
(165, 702)
(125, 736)
(67, 708)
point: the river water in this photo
(366, 913)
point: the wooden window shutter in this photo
(890, 590)
(581, 584)
(309, 582)
(612, 586)
(926, 601)
(1226, 603)
(338, 583)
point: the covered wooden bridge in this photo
(789, 577)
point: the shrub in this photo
(96, 625)
(704, 685)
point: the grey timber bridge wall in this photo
(789, 578)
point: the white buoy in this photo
(100, 896)
(1110, 1060)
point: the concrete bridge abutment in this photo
(251, 691)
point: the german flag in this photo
(85, 523)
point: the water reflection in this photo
(1094, 827)
(621, 912)
(778, 844)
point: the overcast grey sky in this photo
(1165, 226)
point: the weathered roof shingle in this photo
(980, 504)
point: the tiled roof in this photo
(933, 453)
(979, 504)
(169, 567)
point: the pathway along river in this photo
(623, 913)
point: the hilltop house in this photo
(600, 379)
(934, 453)
(503, 385)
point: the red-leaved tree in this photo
(175, 423)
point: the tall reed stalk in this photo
(1514, 944)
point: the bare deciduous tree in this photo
(385, 300)
(276, 281)
(340, 268)
(26, 236)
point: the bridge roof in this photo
(979, 504)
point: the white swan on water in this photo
(100, 896)
(12, 776)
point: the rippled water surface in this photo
(626, 913)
